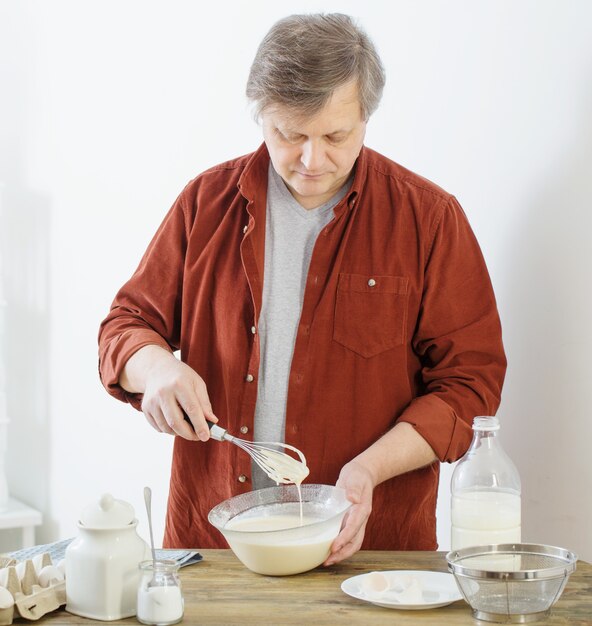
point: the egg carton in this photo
(30, 589)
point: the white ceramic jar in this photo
(102, 562)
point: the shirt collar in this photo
(256, 171)
(254, 176)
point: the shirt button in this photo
(253, 329)
(249, 378)
(244, 429)
(245, 229)
(371, 282)
(242, 478)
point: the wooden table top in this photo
(221, 591)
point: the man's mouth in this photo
(310, 175)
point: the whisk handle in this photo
(216, 432)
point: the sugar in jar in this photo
(160, 600)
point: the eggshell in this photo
(405, 589)
(40, 561)
(50, 574)
(6, 599)
(20, 569)
(375, 582)
(61, 565)
(3, 576)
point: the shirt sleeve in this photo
(458, 339)
(147, 309)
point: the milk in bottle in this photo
(485, 507)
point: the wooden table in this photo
(221, 591)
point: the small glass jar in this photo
(160, 600)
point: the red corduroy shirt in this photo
(399, 323)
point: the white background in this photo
(107, 109)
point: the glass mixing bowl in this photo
(249, 524)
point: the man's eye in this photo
(289, 137)
(336, 139)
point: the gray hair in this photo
(304, 58)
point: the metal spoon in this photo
(148, 501)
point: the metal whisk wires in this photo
(278, 465)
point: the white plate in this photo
(438, 589)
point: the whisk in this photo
(278, 465)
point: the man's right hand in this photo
(169, 388)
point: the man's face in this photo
(315, 155)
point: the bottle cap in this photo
(486, 423)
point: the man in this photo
(320, 294)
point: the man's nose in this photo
(313, 155)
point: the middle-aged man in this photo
(319, 294)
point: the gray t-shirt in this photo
(290, 235)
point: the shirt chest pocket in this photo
(370, 313)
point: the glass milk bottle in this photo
(485, 488)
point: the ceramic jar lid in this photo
(107, 512)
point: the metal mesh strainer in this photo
(511, 583)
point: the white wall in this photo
(108, 108)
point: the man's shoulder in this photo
(387, 172)
(221, 180)
(238, 175)
(231, 168)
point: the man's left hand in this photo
(358, 484)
